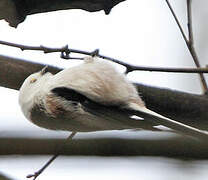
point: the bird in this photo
(92, 96)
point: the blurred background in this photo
(138, 32)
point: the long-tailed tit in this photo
(92, 96)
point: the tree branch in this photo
(65, 54)
(189, 24)
(4, 177)
(61, 148)
(177, 21)
(15, 11)
(189, 42)
(14, 71)
(191, 46)
(175, 148)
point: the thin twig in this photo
(173, 70)
(36, 174)
(66, 51)
(177, 22)
(189, 24)
(36, 48)
(191, 45)
(189, 42)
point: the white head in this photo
(32, 89)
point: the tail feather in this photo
(175, 125)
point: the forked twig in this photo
(36, 174)
(189, 42)
(65, 53)
(191, 45)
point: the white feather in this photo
(180, 127)
(99, 81)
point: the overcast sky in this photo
(139, 32)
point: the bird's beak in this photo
(44, 70)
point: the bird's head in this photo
(32, 89)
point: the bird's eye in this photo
(32, 80)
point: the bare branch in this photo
(14, 71)
(65, 54)
(177, 22)
(36, 48)
(181, 147)
(189, 14)
(191, 46)
(39, 172)
(189, 42)
(4, 177)
(15, 11)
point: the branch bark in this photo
(182, 148)
(187, 108)
(13, 71)
(4, 177)
(66, 52)
(15, 11)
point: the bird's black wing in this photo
(119, 117)
(112, 113)
(69, 94)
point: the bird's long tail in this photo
(162, 120)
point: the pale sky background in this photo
(139, 32)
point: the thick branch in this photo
(15, 11)
(4, 177)
(175, 148)
(14, 71)
(184, 107)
